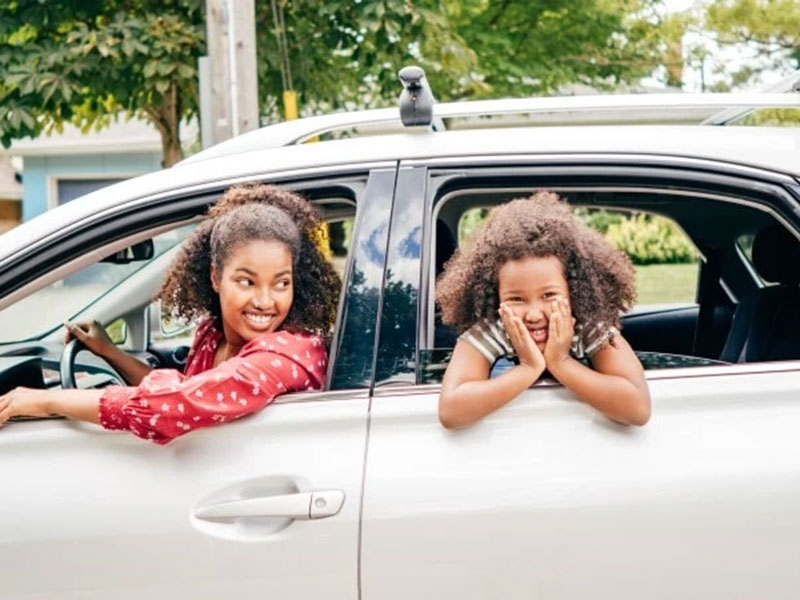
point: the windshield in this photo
(46, 309)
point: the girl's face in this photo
(255, 289)
(529, 287)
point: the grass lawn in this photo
(662, 284)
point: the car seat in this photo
(444, 336)
(766, 324)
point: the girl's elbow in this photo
(450, 416)
(642, 411)
(640, 417)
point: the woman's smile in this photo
(258, 321)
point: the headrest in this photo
(776, 255)
(445, 245)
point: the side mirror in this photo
(141, 251)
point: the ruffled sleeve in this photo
(167, 403)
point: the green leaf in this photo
(150, 69)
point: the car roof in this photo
(773, 149)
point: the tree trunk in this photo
(167, 120)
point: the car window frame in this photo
(776, 193)
(139, 216)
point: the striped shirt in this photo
(490, 339)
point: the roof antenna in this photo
(416, 99)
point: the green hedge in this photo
(649, 239)
(646, 239)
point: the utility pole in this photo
(233, 90)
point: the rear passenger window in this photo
(666, 261)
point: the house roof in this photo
(122, 136)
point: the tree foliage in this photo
(86, 62)
(767, 30)
(347, 53)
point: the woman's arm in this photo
(94, 337)
(83, 405)
(468, 394)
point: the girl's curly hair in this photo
(248, 213)
(601, 279)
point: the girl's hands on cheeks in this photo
(527, 351)
(561, 329)
(21, 402)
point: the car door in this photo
(267, 506)
(546, 498)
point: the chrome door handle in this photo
(300, 506)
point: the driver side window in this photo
(98, 286)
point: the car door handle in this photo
(300, 506)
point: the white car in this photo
(357, 491)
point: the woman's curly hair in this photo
(601, 279)
(248, 213)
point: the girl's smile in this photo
(529, 287)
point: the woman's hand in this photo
(527, 351)
(93, 336)
(23, 402)
(561, 329)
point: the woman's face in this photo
(529, 287)
(256, 290)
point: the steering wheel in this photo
(66, 366)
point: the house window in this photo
(69, 189)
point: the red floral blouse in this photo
(168, 403)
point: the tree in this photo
(86, 62)
(346, 54)
(768, 30)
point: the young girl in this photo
(537, 286)
(268, 296)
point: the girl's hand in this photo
(93, 336)
(527, 351)
(561, 329)
(23, 402)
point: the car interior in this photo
(747, 302)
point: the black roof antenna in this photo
(416, 99)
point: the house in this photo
(10, 195)
(60, 167)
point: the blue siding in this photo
(37, 169)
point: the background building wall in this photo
(42, 175)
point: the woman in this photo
(268, 299)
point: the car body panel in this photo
(546, 498)
(89, 513)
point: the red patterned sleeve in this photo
(167, 403)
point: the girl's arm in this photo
(616, 386)
(468, 394)
(83, 405)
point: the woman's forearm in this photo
(83, 405)
(613, 395)
(131, 368)
(472, 400)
